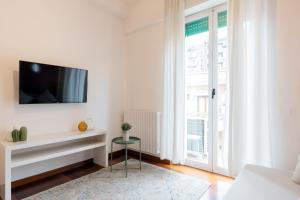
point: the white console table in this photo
(42, 148)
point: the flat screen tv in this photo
(47, 84)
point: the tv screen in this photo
(45, 84)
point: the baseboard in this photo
(147, 157)
(54, 172)
(117, 154)
(136, 154)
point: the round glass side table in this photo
(132, 140)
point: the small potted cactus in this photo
(125, 128)
(18, 135)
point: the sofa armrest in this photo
(261, 183)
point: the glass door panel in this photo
(197, 81)
(222, 88)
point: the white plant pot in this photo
(126, 136)
(9, 137)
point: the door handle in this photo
(213, 93)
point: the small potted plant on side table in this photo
(126, 127)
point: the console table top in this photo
(44, 139)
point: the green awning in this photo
(196, 27)
(222, 19)
(202, 25)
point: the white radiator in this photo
(146, 125)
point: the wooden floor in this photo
(220, 184)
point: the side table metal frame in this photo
(126, 151)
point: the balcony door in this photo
(206, 77)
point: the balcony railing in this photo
(196, 135)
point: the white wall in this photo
(77, 33)
(288, 64)
(116, 7)
(144, 47)
(145, 69)
(191, 3)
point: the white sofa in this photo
(261, 183)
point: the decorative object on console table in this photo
(23, 134)
(9, 137)
(90, 124)
(126, 127)
(15, 135)
(83, 126)
(18, 135)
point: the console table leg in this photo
(111, 156)
(126, 159)
(140, 155)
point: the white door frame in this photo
(212, 15)
(216, 168)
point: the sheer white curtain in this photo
(252, 82)
(172, 134)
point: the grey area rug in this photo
(151, 183)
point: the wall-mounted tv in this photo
(46, 84)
